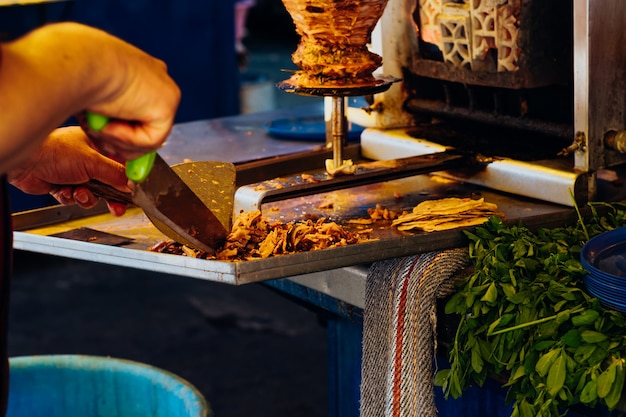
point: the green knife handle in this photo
(96, 121)
(137, 170)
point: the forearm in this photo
(45, 78)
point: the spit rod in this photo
(339, 128)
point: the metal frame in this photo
(599, 82)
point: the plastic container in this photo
(93, 386)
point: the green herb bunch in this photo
(524, 316)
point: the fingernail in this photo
(81, 197)
(116, 209)
(66, 195)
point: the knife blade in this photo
(172, 206)
(178, 211)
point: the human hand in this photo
(140, 101)
(64, 69)
(68, 158)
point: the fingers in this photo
(84, 198)
(116, 209)
(127, 141)
(68, 195)
(123, 140)
(142, 111)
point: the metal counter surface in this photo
(235, 139)
(338, 272)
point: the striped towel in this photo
(399, 333)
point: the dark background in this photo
(249, 350)
(194, 38)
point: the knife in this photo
(170, 204)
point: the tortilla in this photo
(446, 214)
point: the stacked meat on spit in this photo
(333, 45)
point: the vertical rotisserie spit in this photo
(335, 61)
(334, 36)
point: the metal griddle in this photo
(33, 230)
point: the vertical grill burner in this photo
(547, 110)
(553, 68)
(526, 41)
(505, 62)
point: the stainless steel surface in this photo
(286, 165)
(253, 196)
(344, 284)
(549, 180)
(599, 82)
(386, 242)
(235, 139)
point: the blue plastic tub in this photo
(93, 386)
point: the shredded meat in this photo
(322, 64)
(253, 236)
(380, 212)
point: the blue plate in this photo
(311, 128)
(606, 300)
(604, 256)
(614, 290)
(605, 294)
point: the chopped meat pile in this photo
(380, 212)
(253, 236)
(333, 45)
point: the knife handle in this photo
(96, 121)
(107, 192)
(137, 170)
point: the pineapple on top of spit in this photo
(333, 41)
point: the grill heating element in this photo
(508, 76)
